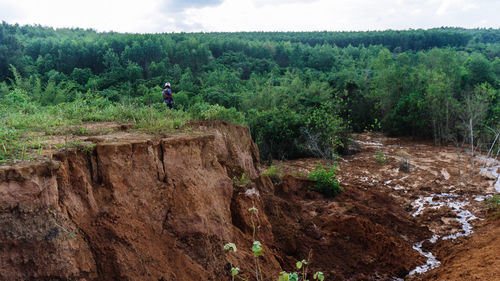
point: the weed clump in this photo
(274, 173)
(242, 181)
(326, 182)
(493, 206)
(380, 157)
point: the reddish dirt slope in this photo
(436, 173)
(476, 259)
(140, 207)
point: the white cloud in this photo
(251, 15)
(448, 6)
(104, 15)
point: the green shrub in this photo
(274, 173)
(380, 157)
(206, 111)
(277, 132)
(326, 182)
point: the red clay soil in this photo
(360, 235)
(477, 258)
(162, 207)
(433, 170)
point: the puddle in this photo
(463, 216)
(432, 261)
(428, 201)
(491, 168)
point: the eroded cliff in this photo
(161, 208)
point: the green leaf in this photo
(319, 275)
(257, 249)
(299, 265)
(229, 246)
(235, 271)
(253, 209)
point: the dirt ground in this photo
(132, 206)
(476, 258)
(440, 192)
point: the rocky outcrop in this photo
(162, 209)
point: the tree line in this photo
(301, 93)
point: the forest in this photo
(301, 93)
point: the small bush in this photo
(274, 173)
(380, 157)
(206, 111)
(326, 182)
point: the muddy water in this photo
(490, 168)
(463, 216)
(429, 186)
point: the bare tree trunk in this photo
(471, 144)
(491, 147)
(459, 166)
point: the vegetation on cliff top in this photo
(300, 93)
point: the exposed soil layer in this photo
(476, 258)
(434, 184)
(361, 235)
(141, 207)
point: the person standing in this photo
(167, 95)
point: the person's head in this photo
(167, 85)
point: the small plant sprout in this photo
(253, 210)
(303, 264)
(380, 157)
(285, 276)
(230, 246)
(258, 252)
(319, 276)
(234, 271)
(257, 249)
(300, 265)
(242, 181)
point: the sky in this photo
(158, 16)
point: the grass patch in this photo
(22, 122)
(380, 157)
(242, 181)
(274, 173)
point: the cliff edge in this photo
(162, 207)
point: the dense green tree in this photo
(295, 89)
